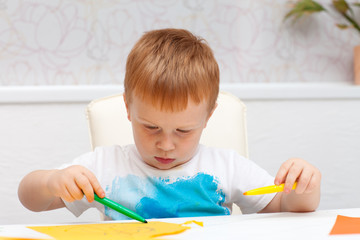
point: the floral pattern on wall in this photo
(86, 42)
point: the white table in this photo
(289, 226)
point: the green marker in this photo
(117, 207)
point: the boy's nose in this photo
(165, 143)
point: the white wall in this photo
(37, 136)
(86, 42)
(324, 132)
(308, 123)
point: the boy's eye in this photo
(183, 131)
(152, 127)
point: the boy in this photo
(171, 87)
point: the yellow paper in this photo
(111, 231)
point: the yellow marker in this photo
(268, 189)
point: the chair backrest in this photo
(108, 123)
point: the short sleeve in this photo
(248, 175)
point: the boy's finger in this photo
(75, 189)
(293, 175)
(66, 196)
(313, 183)
(72, 193)
(303, 181)
(280, 177)
(85, 187)
(283, 172)
(96, 187)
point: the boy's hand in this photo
(307, 176)
(73, 182)
(305, 197)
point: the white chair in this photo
(109, 125)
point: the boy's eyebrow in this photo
(144, 121)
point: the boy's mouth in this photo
(165, 160)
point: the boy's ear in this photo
(127, 107)
(210, 114)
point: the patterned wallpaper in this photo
(85, 42)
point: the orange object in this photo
(346, 225)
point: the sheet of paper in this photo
(346, 225)
(19, 232)
(110, 231)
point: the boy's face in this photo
(166, 139)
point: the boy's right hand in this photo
(73, 182)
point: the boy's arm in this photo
(305, 197)
(34, 194)
(42, 190)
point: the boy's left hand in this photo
(305, 197)
(298, 170)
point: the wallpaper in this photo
(86, 42)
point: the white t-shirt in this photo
(207, 185)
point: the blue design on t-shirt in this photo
(155, 197)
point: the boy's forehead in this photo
(171, 106)
(192, 116)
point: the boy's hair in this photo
(168, 66)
